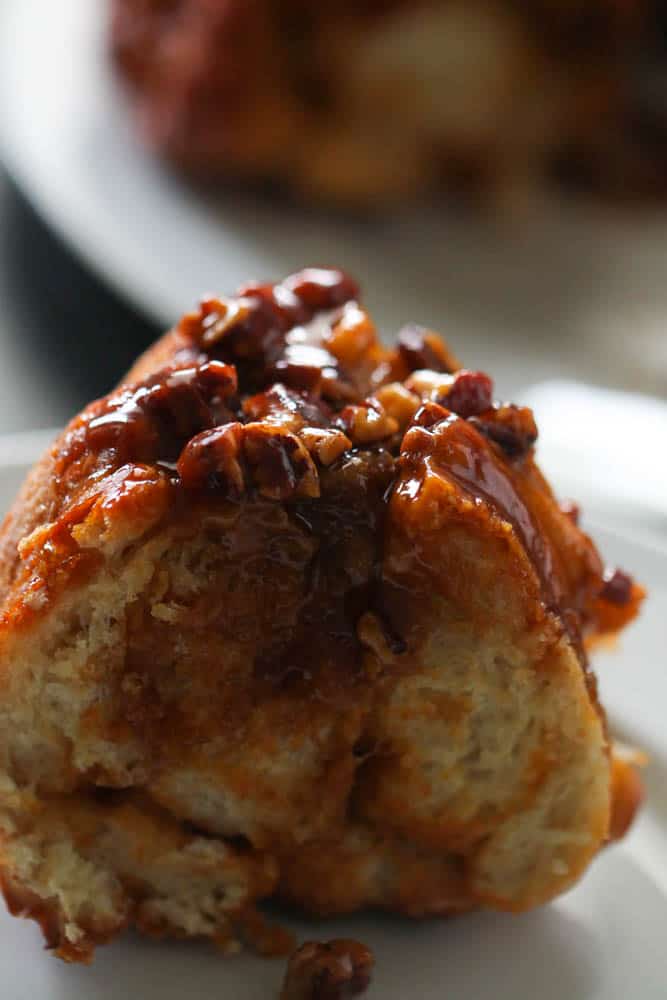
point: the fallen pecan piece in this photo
(331, 970)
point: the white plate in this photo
(571, 294)
(605, 940)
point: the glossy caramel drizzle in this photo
(272, 396)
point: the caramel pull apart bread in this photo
(369, 101)
(291, 614)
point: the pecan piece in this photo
(219, 316)
(398, 402)
(352, 335)
(153, 420)
(429, 385)
(279, 462)
(421, 348)
(213, 460)
(429, 415)
(470, 394)
(332, 970)
(366, 423)
(287, 407)
(325, 444)
(284, 305)
(512, 427)
(321, 288)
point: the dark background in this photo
(65, 337)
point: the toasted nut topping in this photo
(512, 427)
(398, 402)
(280, 464)
(326, 445)
(322, 288)
(421, 348)
(430, 414)
(367, 423)
(469, 394)
(332, 970)
(212, 460)
(288, 407)
(280, 301)
(222, 315)
(352, 335)
(429, 384)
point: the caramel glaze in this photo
(268, 397)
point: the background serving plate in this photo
(573, 291)
(602, 941)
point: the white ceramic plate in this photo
(602, 941)
(570, 294)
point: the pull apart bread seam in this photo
(292, 614)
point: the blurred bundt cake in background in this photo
(365, 102)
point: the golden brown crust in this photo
(305, 618)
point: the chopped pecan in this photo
(366, 423)
(512, 427)
(243, 331)
(153, 420)
(288, 407)
(429, 414)
(429, 385)
(298, 375)
(279, 462)
(213, 460)
(332, 970)
(470, 394)
(421, 348)
(217, 380)
(325, 444)
(352, 335)
(305, 366)
(322, 288)
(398, 402)
(283, 303)
(219, 316)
